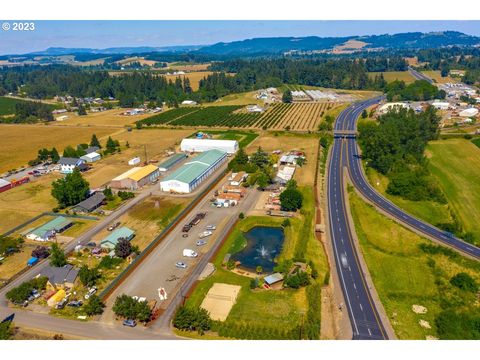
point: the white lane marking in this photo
(369, 332)
(354, 286)
(361, 307)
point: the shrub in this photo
(127, 307)
(297, 280)
(465, 282)
(40, 252)
(94, 306)
(109, 262)
(189, 319)
(123, 248)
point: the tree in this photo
(291, 199)
(189, 319)
(108, 194)
(127, 307)
(40, 252)
(111, 145)
(465, 282)
(262, 180)
(57, 258)
(71, 189)
(123, 248)
(94, 306)
(260, 158)
(82, 111)
(54, 156)
(364, 114)
(94, 141)
(287, 97)
(6, 331)
(88, 276)
(70, 152)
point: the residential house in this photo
(67, 165)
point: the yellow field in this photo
(304, 175)
(390, 76)
(20, 143)
(246, 98)
(104, 118)
(437, 77)
(188, 67)
(194, 77)
(140, 60)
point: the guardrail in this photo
(133, 265)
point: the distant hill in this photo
(414, 40)
(57, 51)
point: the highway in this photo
(363, 314)
(364, 317)
(419, 76)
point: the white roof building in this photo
(201, 145)
(189, 102)
(469, 112)
(91, 157)
(441, 105)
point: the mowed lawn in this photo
(20, 143)
(456, 164)
(403, 274)
(390, 76)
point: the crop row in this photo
(167, 116)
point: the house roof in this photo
(56, 224)
(60, 275)
(143, 172)
(126, 174)
(68, 161)
(91, 155)
(196, 167)
(274, 278)
(92, 202)
(92, 149)
(4, 182)
(113, 237)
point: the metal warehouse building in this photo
(194, 172)
(201, 145)
(136, 177)
(171, 161)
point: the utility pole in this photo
(145, 150)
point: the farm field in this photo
(297, 117)
(194, 77)
(105, 118)
(456, 165)
(20, 143)
(408, 270)
(437, 77)
(185, 66)
(390, 76)
(245, 98)
(304, 175)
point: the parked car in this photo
(211, 227)
(180, 265)
(129, 323)
(35, 293)
(189, 253)
(113, 226)
(204, 234)
(90, 292)
(91, 244)
(186, 228)
(61, 304)
(75, 303)
(201, 242)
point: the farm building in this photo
(201, 145)
(50, 229)
(4, 185)
(391, 106)
(237, 178)
(441, 105)
(111, 240)
(288, 160)
(91, 157)
(67, 165)
(189, 102)
(194, 172)
(92, 149)
(136, 177)
(300, 96)
(255, 109)
(91, 203)
(468, 112)
(60, 277)
(285, 174)
(171, 161)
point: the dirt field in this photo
(436, 76)
(20, 143)
(304, 175)
(188, 67)
(220, 300)
(140, 60)
(390, 76)
(104, 118)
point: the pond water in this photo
(264, 244)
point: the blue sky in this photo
(103, 34)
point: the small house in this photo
(49, 230)
(67, 165)
(60, 277)
(111, 240)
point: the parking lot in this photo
(159, 269)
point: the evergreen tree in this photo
(287, 97)
(57, 257)
(94, 141)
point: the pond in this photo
(264, 244)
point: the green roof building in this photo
(50, 229)
(189, 176)
(111, 240)
(171, 161)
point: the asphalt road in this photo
(419, 76)
(364, 317)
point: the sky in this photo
(105, 34)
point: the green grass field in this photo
(268, 310)
(456, 164)
(404, 275)
(390, 76)
(7, 105)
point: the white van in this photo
(189, 253)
